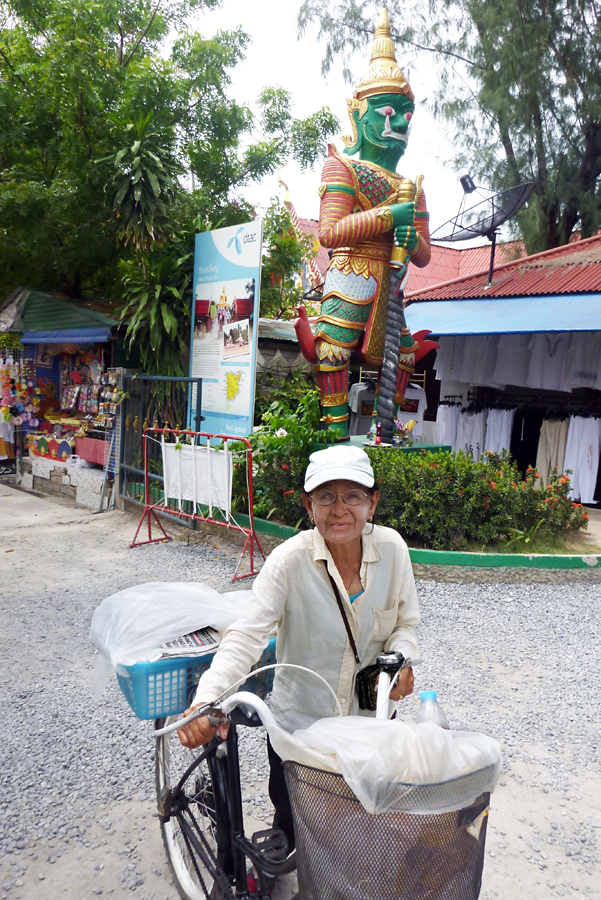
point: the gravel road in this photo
(76, 805)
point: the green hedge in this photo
(446, 501)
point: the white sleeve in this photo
(403, 638)
(244, 641)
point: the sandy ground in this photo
(525, 858)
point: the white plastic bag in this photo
(387, 763)
(128, 627)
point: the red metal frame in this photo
(150, 509)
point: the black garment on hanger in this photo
(525, 436)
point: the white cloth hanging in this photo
(354, 396)
(200, 474)
(582, 457)
(7, 436)
(512, 362)
(450, 358)
(583, 368)
(471, 433)
(551, 448)
(549, 354)
(411, 407)
(480, 359)
(498, 429)
(447, 418)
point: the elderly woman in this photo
(338, 595)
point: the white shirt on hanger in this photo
(413, 407)
(498, 429)
(549, 355)
(513, 360)
(480, 359)
(471, 433)
(447, 418)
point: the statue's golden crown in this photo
(383, 75)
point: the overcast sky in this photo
(277, 57)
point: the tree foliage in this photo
(283, 263)
(106, 131)
(520, 84)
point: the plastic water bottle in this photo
(431, 711)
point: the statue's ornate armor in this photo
(355, 221)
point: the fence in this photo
(160, 402)
(196, 483)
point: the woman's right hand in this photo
(199, 731)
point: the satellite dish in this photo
(483, 217)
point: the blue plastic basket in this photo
(162, 688)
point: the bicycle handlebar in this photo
(217, 709)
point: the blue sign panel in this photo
(225, 325)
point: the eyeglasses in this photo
(353, 497)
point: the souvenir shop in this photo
(536, 395)
(519, 364)
(59, 393)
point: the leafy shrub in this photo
(287, 390)
(448, 501)
(281, 450)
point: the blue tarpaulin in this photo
(507, 315)
(68, 336)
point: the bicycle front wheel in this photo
(196, 834)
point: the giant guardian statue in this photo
(369, 217)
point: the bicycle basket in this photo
(162, 688)
(345, 852)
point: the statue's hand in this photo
(405, 237)
(403, 214)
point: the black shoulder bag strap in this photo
(343, 614)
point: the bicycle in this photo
(201, 814)
(200, 804)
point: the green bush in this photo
(288, 390)
(281, 448)
(444, 501)
(447, 501)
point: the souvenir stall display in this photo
(77, 418)
(20, 399)
(537, 396)
(93, 440)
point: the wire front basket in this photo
(345, 853)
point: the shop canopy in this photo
(507, 315)
(45, 319)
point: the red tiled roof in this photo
(573, 268)
(311, 227)
(448, 263)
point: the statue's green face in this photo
(384, 129)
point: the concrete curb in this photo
(442, 565)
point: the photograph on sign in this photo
(236, 338)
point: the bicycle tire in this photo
(192, 837)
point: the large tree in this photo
(115, 124)
(519, 84)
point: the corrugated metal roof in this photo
(43, 312)
(571, 269)
(574, 312)
(276, 330)
(448, 263)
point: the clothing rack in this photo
(451, 400)
(555, 404)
